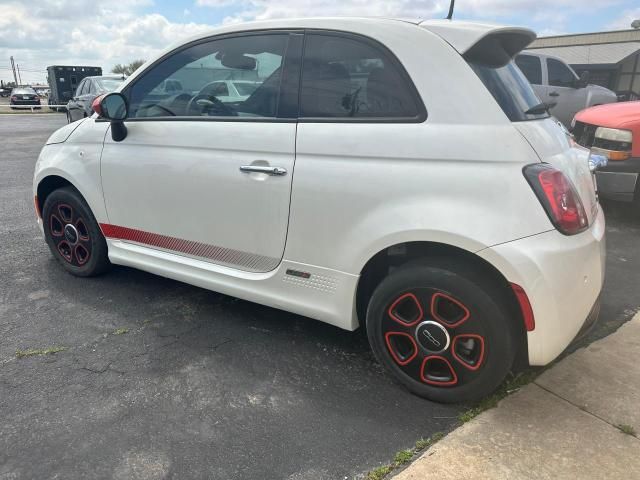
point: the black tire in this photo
(84, 255)
(426, 299)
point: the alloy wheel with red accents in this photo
(442, 330)
(73, 234)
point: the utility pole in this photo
(19, 77)
(13, 67)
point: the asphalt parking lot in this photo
(159, 379)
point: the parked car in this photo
(88, 89)
(613, 131)
(23, 96)
(557, 84)
(231, 90)
(5, 92)
(434, 200)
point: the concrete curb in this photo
(568, 424)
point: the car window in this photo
(188, 82)
(89, 88)
(245, 88)
(511, 90)
(344, 77)
(24, 91)
(220, 89)
(79, 89)
(531, 67)
(559, 74)
(108, 84)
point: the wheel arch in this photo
(54, 181)
(393, 256)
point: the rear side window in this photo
(511, 89)
(559, 74)
(531, 67)
(343, 77)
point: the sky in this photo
(106, 32)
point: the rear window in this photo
(109, 84)
(511, 89)
(24, 91)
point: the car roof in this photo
(109, 77)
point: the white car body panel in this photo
(191, 170)
(351, 191)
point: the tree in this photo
(127, 69)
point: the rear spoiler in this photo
(492, 45)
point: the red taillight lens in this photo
(558, 197)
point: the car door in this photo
(73, 106)
(564, 96)
(196, 177)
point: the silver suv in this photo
(557, 84)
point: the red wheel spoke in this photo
(65, 250)
(437, 370)
(56, 227)
(66, 212)
(448, 310)
(81, 254)
(406, 310)
(468, 350)
(402, 347)
(83, 231)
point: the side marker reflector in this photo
(525, 307)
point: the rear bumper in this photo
(562, 276)
(619, 179)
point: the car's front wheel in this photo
(73, 235)
(442, 330)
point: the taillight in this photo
(558, 197)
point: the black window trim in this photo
(288, 57)
(375, 44)
(539, 65)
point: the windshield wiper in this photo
(538, 109)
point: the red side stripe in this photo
(189, 247)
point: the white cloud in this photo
(623, 22)
(109, 32)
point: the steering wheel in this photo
(211, 105)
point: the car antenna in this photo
(451, 5)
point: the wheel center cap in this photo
(432, 336)
(71, 234)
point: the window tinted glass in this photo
(559, 74)
(511, 89)
(108, 84)
(531, 67)
(187, 83)
(90, 88)
(24, 91)
(342, 77)
(79, 89)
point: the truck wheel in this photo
(442, 330)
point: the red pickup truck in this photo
(613, 130)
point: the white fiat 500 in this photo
(399, 176)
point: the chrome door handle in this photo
(262, 169)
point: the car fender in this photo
(77, 161)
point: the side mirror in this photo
(583, 81)
(114, 107)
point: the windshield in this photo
(511, 89)
(245, 88)
(109, 84)
(24, 91)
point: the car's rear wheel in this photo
(73, 235)
(442, 330)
